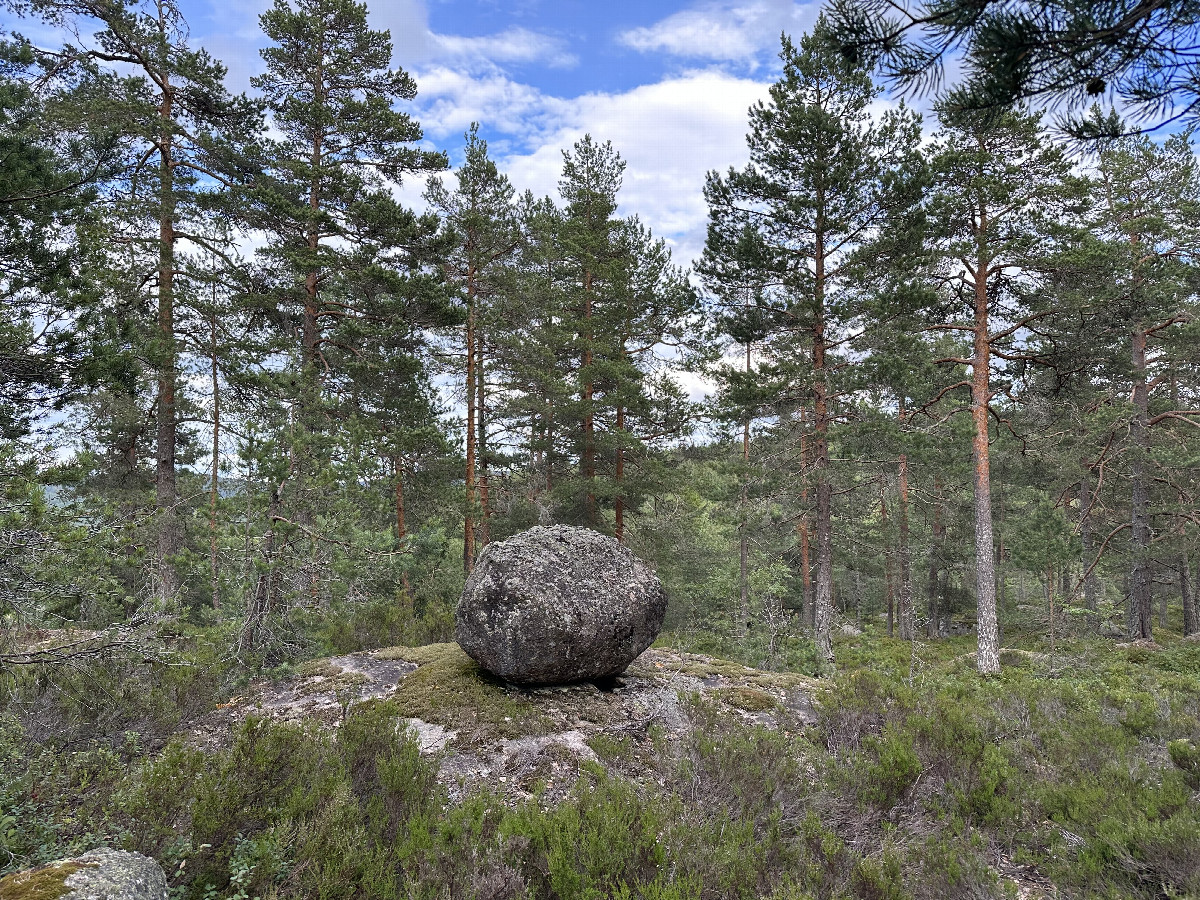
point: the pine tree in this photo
(344, 257)
(55, 157)
(898, 359)
(1144, 226)
(653, 310)
(593, 260)
(325, 198)
(584, 333)
(182, 132)
(814, 190)
(485, 222)
(1000, 187)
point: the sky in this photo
(669, 82)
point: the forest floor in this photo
(409, 772)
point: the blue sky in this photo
(667, 81)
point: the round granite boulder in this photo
(558, 604)
(100, 874)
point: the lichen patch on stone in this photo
(45, 883)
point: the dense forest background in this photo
(247, 392)
(261, 411)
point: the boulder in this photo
(101, 874)
(558, 604)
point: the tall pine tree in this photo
(1000, 190)
(815, 190)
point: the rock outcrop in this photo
(101, 874)
(522, 742)
(555, 605)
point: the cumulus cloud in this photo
(670, 133)
(513, 45)
(232, 33)
(415, 42)
(451, 99)
(724, 30)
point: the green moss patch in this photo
(708, 668)
(747, 698)
(321, 667)
(394, 653)
(712, 667)
(449, 688)
(47, 883)
(429, 653)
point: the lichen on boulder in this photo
(558, 604)
(101, 874)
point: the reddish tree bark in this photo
(888, 581)
(987, 626)
(166, 492)
(483, 535)
(469, 477)
(1140, 578)
(823, 601)
(906, 589)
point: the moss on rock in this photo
(449, 688)
(322, 667)
(45, 883)
(747, 698)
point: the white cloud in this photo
(415, 42)
(724, 30)
(670, 134)
(519, 45)
(450, 99)
(234, 36)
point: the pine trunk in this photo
(589, 420)
(1140, 584)
(619, 478)
(165, 486)
(805, 533)
(743, 546)
(810, 618)
(906, 586)
(216, 459)
(1190, 624)
(310, 338)
(483, 534)
(469, 477)
(824, 581)
(988, 658)
(1087, 540)
(401, 526)
(889, 587)
(1049, 591)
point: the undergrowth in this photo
(917, 781)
